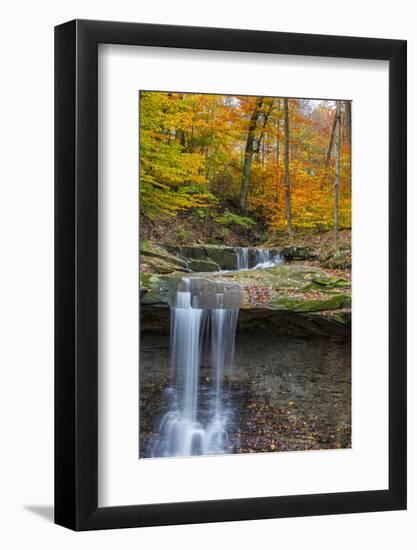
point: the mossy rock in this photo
(156, 289)
(194, 252)
(287, 287)
(298, 253)
(222, 257)
(292, 276)
(291, 287)
(308, 305)
(225, 257)
(328, 283)
(159, 265)
(203, 266)
(342, 261)
(160, 260)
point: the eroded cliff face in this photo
(291, 392)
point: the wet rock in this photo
(210, 294)
(159, 260)
(225, 257)
(156, 289)
(199, 258)
(203, 266)
(196, 252)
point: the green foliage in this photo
(183, 235)
(229, 218)
(171, 179)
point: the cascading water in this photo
(242, 258)
(262, 256)
(264, 259)
(198, 416)
(259, 258)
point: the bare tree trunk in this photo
(336, 180)
(249, 151)
(278, 125)
(287, 169)
(259, 144)
(348, 125)
(180, 134)
(265, 117)
(277, 150)
(348, 116)
(329, 150)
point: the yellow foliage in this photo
(192, 148)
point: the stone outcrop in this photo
(164, 258)
(298, 253)
(292, 297)
(209, 293)
(287, 287)
(159, 260)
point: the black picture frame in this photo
(76, 272)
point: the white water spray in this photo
(259, 258)
(264, 259)
(242, 258)
(197, 418)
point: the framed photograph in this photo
(230, 249)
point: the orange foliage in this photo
(201, 138)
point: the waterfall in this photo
(257, 258)
(264, 259)
(197, 416)
(242, 257)
(197, 412)
(262, 256)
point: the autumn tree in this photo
(287, 168)
(202, 153)
(171, 178)
(249, 152)
(338, 133)
(348, 122)
(278, 123)
(331, 140)
(348, 127)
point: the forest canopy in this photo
(252, 166)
